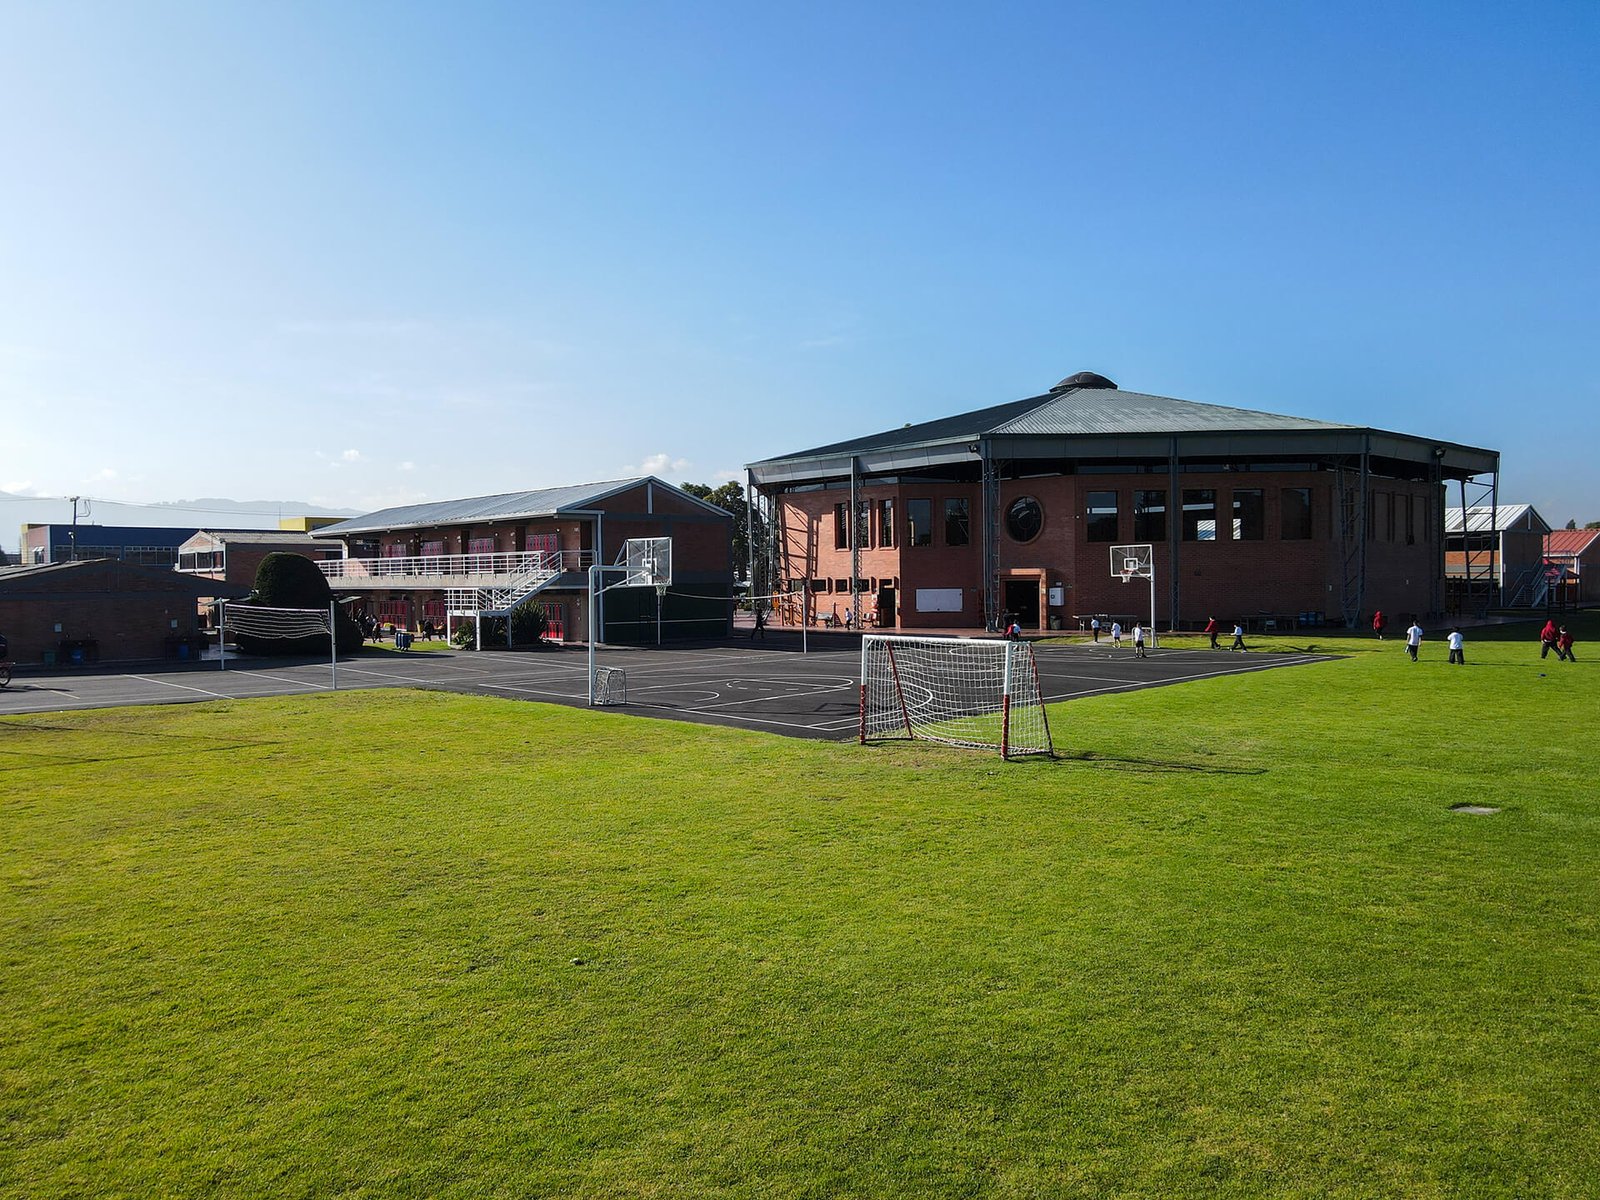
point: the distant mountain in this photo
(17, 511)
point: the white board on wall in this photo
(938, 599)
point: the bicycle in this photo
(5, 671)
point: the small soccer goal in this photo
(284, 625)
(610, 687)
(980, 693)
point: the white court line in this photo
(182, 686)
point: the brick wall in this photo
(1223, 577)
(130, 614)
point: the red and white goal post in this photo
(981, 693)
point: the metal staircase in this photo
(504, 599)
(1535, 587)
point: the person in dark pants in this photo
(1547, 639)
(1211, 631)
(1379, 622)
(1564, 646)
(1238, 639)
(1094, 625)
(1458, 651)
(760, 629)
(1413, 639)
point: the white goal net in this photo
(260, 622)
(975, 692)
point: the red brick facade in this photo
(1260, 572)
(127, 612)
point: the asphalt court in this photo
(770, 685)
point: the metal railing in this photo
(469, 569)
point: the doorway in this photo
(886, 615)
(1022, 601)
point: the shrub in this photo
(293, 581)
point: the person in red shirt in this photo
(1378, 622)
(1211, 629)
(1547, 639)
(1564, 645)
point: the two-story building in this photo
(453, 560)
(1014, 509)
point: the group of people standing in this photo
(1212, 630)
(1138, 635)
(1551, 637)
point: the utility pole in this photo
(72, 537)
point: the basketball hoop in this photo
(661, 591)
(1125, 576)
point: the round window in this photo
(1024, 519)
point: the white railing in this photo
(501, 569)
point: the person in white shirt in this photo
(1458, 653)
(1116, 633)
(1413, 640)
(1138, 641)
(1238, 639)
(1094, 624)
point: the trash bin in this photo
(49, 658)
(1055, 622)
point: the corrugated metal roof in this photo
(1481, 518)
(257, 537)
(1570, 541)
(1082, 411)
(508, 506)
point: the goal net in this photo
(273, 624)
(974, 692)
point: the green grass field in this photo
(1234, 943)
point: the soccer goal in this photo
(977, 692)
(276, 624)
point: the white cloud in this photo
(663, 464)
(351, 456)
(23, 487)
(408, 466)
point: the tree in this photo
(293, 581)
(1593, 525)
(1572, 524)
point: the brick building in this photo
(1014, 509)
(1496, 551)
(1574, 556)
(233, 555)
(101, 610)
(456, 560)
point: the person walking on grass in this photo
(1458, 652)
(1238, 639)
(1138, 642)
(1116, 634)
(1379, 623)
(1564, 646)
(1413, 639)
(1547, 638)
(1211, 632)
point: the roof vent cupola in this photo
(1083, 380)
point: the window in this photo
(431, 550)
(1024, 519)
(819, 587)
(957, 523)
(1249, 514)
(481, 546)
(886, 523)
(1295, 514)
(841, 585)
(1150, 516)
(841, 527)
(395, 550)
(919, 522)
(1102, 514)
(1199, 515)
(863, 523)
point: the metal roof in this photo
(1108, 412)
(255, 537)
(1564, 542)
(1481, 518)
(166, 576)
(507, 506)
(1110, 423)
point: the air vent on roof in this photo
(1083, 379)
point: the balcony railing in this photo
(461, 569)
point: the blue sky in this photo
(364, 254)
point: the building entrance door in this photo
(886, 614)
(1022, 602)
